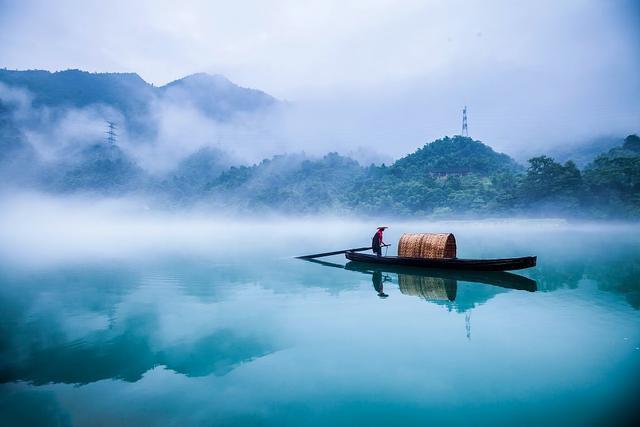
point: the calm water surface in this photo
(258, 338)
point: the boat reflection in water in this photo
(457, 290)
(428, 287)
(437, 285)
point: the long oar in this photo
(333, 253)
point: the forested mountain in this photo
(450, 177)
(133, 98)
(495, 185)
(458, 155)
(129, 93)
(289, 183)
(102, 167)
(215, 95)
(75, 88)
(49, 106)
(583, 152)
(612, 180)
(10, 139)
(194, 174)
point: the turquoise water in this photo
(254, 337)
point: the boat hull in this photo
(502, 279)
(502, 264)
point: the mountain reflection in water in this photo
(128, 356)
(104, 323)
(269, 340)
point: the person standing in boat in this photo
(376, 242)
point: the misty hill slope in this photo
(194, 173)
(629, 148)
(215, 95)
(613, 180)
(452, 175)
(126, 92)
(289, 183)
(10, 137)
(101, 168)
(18, 160)
(140, 109)
(457, 155)
(582, 154)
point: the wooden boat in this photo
(501, 264)
(431, 250)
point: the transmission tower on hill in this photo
(111, 132)
(465, 130)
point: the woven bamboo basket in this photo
(427, 245)
(429, 288)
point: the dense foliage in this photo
(450, 177)
(478, 182)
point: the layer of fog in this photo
(313, 127)
(56, 134)
(40, 229)
(175, 129)
(377, 76)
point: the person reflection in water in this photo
(378, 284)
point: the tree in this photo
(613, 183)
(632, 143)
(548, 185)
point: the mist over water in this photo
(149, 277)
(109, 306)
(37, 228)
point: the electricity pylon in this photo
(465, 130)
(111, 132)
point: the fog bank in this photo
(38, 229)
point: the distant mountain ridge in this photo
(452, 176)
(582, 154)
(215, 95)
(74, 88)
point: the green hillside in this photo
(450, 177)
(458, 155)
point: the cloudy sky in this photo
(385, 75)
